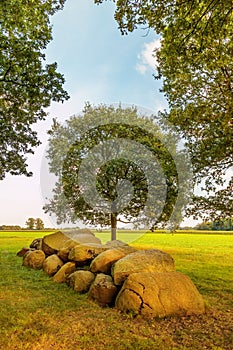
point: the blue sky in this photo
(100, 66)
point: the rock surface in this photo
(151, 260)
(36, 244)
(52, 243)
(85, 238)
(103, 290)
(116, 243)
(83, 253)
(74, 231)
(63, 253)
(81, 280)
(139, 281)
(34, 259)
(22, 251)
(52, 264)
(64, 272)
(104, 261)
(160, 294)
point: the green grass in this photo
(38, 314)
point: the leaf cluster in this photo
(121, 180)
(195, 63)
(27, 85)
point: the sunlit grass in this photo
(38, 314)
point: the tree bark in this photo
(113, 226)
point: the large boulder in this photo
(34, 259)
(52, 264)
(63, 253)
(66, 270)
(80, 280)
(52, 243)
(103, 290)
(104, 261)
(84, 253)
(151, 260)
(160, 294)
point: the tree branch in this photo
(124, 222)
(7, 71)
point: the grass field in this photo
(37, 314)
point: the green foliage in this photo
(90, 143)
(10, 227)
(195, 63)
(39, 225)
(217, 225)
(27, 85)
(34, 224)
(30, 224)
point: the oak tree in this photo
(196, 67)
(113, 164)
(30, 223)
(39, 225)
(27, 84)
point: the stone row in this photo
(115, 274)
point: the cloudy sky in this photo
(100, 66)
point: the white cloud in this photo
(147, 59)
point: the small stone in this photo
(80, 280)
(104, 261)
(62, 274)
(34, 259)
(103, 291)
(84, 253)
(52, 264)
(22, 251)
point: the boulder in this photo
(34, 259)
(36, 244)
(151, 260)
(103, 290)
(104, 261)
(52, 243)
(64, 272)
(22, 251)
(85, 238)
(160, 294)
(63, 253)
(84, 253)
(80, 280)
(52, 264)
(74, 231)
(116, 243)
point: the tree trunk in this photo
(113, 226)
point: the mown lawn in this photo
(37, 314)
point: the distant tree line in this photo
(217, 225)
(31, 224)
(34, 224)
(10, 227)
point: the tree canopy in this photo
(114, 164)
(218, 225)
(27, 84)
(196, 66)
